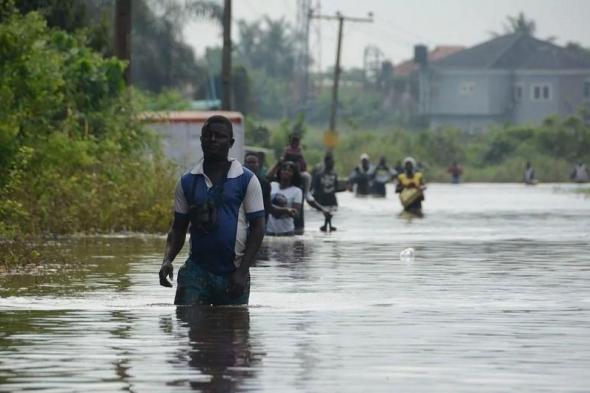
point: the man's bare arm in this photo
(174, 243)
(240, 276)
(257, 230)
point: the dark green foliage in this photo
(76, 158)
(498, 155)
(257, 134)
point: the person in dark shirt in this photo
(251, 162)
(456, 171)
(380, 176)
(361, 176)
(325, 182)
(293, 152)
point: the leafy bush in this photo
(77, 158)
(497, 156)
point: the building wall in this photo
(476, 100)
(529, 109)
(571, 93)
(458, 93)
(501, 102)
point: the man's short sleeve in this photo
(180, 202)
(253, 201)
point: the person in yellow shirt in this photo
(411, 186)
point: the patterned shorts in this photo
(199, 286)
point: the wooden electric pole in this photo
(340, 18)
(123, 35)
(226, 60)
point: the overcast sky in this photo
(399, 24)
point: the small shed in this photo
(181, 133)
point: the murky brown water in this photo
(496, 300)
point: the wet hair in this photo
(296, 180)
(218, 119)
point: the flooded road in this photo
(497, 299)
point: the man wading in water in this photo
(223, 203)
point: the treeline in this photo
(73, 154)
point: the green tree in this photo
(259, 43)
(76, 156)
(520, 24)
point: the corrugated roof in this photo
(515, 51)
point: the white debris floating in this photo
(407, 254)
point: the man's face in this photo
(252, 163)
(409, 167)
(216, 141)
(329, 163)
(365, 163)
(287, 173)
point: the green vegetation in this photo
(76, 157)
(496, 156)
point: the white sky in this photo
(399, 24)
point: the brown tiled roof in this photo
(405, 68)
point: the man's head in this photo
(409, 164)
(217, 137)
(294, 140)
(251, 162)
(365, 161)
(288, 172)
(329, 161)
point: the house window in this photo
(467, 88)
(587, 89)
(518, 92)
(541, 92)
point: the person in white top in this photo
(286, 197)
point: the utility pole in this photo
(340, 18)
(302, 25)
(226, 60)
(123, 35)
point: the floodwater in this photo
(497, 299)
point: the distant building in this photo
(404, 97)
(407, 67)
(514, 78)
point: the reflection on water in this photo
(497, 298)
(219, 347)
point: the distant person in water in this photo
(380, 176)
(286, 198)
(324, 183)
(411, 180)
(529, 174)
(360, 178)
(252, 162)
(398, 168)
(323, 189)
(294, 153)
(456, 171)
(580, 173)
